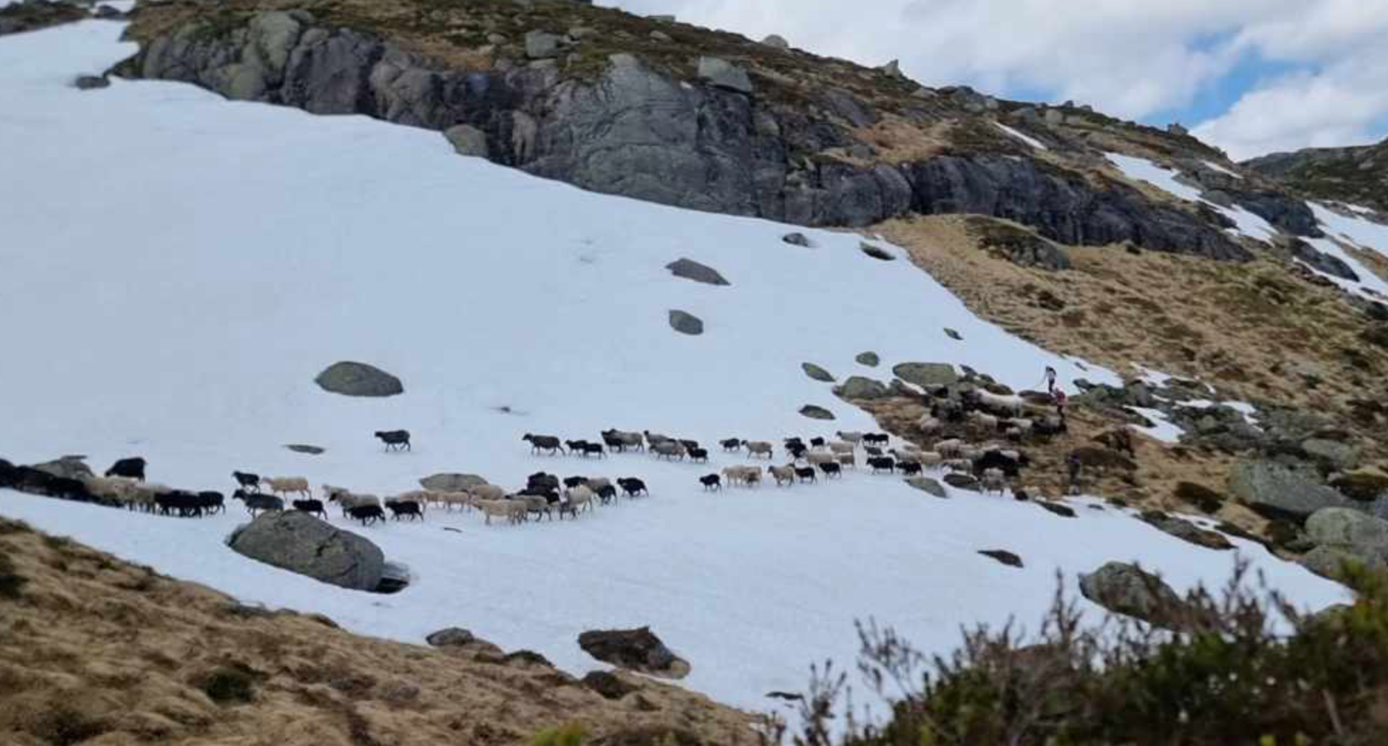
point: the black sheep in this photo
(129, 468)
(576, 446)
(256, 502)
(873, 451)
(831, 470)
(816, 442)
(797, 450)
(407, 508)
(184, 504)
(909, 467)
(211, 502)
(543, 443)
(805, 473)
(698, 455)
(550, 494)
(613, 442)
(394, 439)
(367, 514)
(607, 493)
(711, 482)
(731, 444)
(247, 480)
(996, 460)
(542, 481)
(876, 439)
(312, 507)
(633, 486)
(594, 449)
(689, 444)
(572, 482)
(882, 464)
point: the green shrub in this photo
(568, 735)
(1223, 676)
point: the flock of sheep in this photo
(992, 464)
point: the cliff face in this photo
(632, 106)
(1358, 175)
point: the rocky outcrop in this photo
(300, 543)
(1341, 534)
(358, 379)
(451, 637)
(1323, 262)
(32, 15)
(927, 375)
(860, 387)
(1358, 175)
(629, 128)
(637, 650)
(1277, 490)
(1129, 590)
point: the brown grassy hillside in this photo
(97, 651)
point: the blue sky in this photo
(1250, 76)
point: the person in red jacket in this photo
(1060, 399)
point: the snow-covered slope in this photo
(175, 269)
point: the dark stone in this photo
(451, 637)
(686, 323)
(359, 379)
(608, 685)
(1064, 511)
(634, 649)
(692, 270)
(954, 335)
(859, 387)
(1127, 589)
(1322, 262)
(301, 543)
(869, 359)
(1003, 556)
(796, 239)
(816, 413)
(962, 482)
(92, 82)
(817, 373)
(1185, 530)
(877, 252)
(306, 449)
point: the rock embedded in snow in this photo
(962, 482)
(451, 482)
(686, 323)
(1129, 590)
(1185, 530)
(451, 637)
(637, 650)
(67, 467)
(817, 373)
(91, 82)
(467, 140)
(861, 387)
(816, 412)
(928, 486)
(1060, 509)
(796, 239)
(300, 543)
(954, 335)
(358, 379)
(1003, 556)
(692, 270)
(927, 375)
(1322, 262)
(876, 252)
(306, 449)
(869, 359)
(723, 74)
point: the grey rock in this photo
(1054, 117)
(358, 379)
(1186, 531)
(954, 335)
(817, 373)
(1279, 491)
(451, 637)
(67, 467)
(1127, 589)
(962, 482)
(1342, 456)
(91, 82)
(1330, 562)
(816, 413)
(928, 486)
(893, 69)
(796, 239)
(451, 482)
(927, 375)
(541, 45)
(686, 323)
(692, 270)
(724, 74)
(306, 449)
(1322, 262)
(300, 543)
(776, 41)
(876, 252)
(869, 359)
(859, 387)
(468, 140)
(661, 36)
(1361, 537)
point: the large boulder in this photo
(467, 140)
(1349, 534)
(635, 650)
(358, 379)
(860, 387)
(1129, 590)
(67, 467)
(1341, 456)
(686, 323)
(300, 543)
(451, 482)
(541, 45)
(1279, 491)
(692, 270)
(1185, 530)
(927, 375)
(724, 74)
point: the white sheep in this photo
(951, 447)
(596, 484)
(742, 475)
(904, 457)
(669, 449)
(1013, 404)
(961, 465)
(929, 425)
(851, 436)
(120, 489)
(929, 458)
(287, 485)
(330, 493)
(581, 498)
(986, 421)
(841, 446)
(782, 474)
(451, 499)
(815, 459)
(758, 447)
(512, 510)
(848, 459)
(487, 492)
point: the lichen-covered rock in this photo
(686, 323)
(359, 379)
(817, 373)
(301, 543)
(869, 359)
(927, 375)
(860, 387)
(1279, 491)
(816, 412)
(1350, 534)
(637, 650)
(1129, 590)
(692, 270)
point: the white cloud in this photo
(1129, 58)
